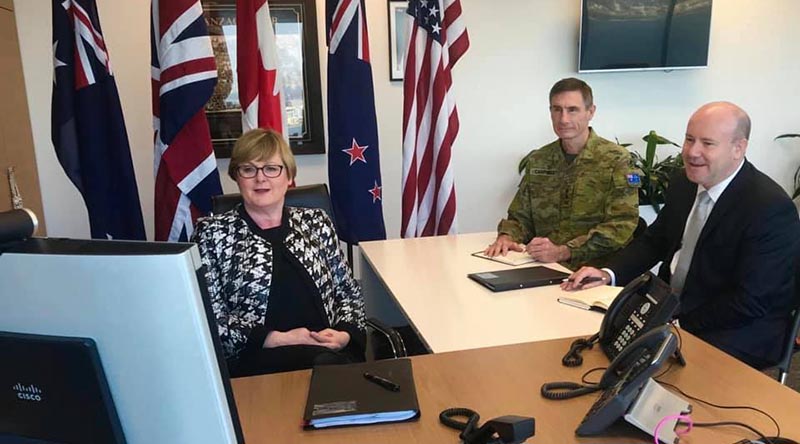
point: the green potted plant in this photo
(655, 173)
(796, 192)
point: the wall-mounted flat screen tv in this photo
(629, 35)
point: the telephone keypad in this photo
(636, 321)
(641, 307)
(627, 334)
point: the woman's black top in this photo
(294, 300)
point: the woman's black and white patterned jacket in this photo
(239, 271)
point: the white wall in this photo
(519, 48)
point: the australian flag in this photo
(88, 129)
(354, 169)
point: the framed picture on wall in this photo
(295, 26)
(398, 40)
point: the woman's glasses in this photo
(250, 171)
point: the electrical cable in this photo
(666, 419)
(761, 436)
(666, 370)
(766, 440)
(720, 406)
(590, 371)
(677, 332)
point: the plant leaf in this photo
(655, 174)
(624, 145)
(650, 152)
(786, 136)
(660, 140)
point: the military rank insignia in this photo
(634, 180)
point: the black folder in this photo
(517, 278)
(340, 395)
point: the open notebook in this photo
(512, 258)
(597, 298)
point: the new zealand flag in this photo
(354, 169)
(88, 129)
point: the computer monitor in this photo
(146, 307)
(48, 377)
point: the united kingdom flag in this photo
(88, 129)
(354, 168)
(184, 74)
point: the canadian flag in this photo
(260, 88)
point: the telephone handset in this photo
(645, 303)
(625, 377)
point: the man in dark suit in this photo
(727, 237)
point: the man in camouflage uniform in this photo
(578, 201)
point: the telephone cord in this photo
(561, 390)
(470, 432)
(573, 357)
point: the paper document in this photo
(512, 258)
(364, 419)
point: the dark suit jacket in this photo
(740, 287)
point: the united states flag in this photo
(183, 77)
(354, 169)
(437, 39)
(88, 130)
(260, 87)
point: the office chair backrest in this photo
(306, 196)
(794, 328)
(790, 348)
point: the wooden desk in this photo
(506, 380)
(427, 277)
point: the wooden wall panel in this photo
(16, 140)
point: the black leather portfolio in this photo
(364, 393)
(517, 278)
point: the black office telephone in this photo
(645, 303)
(625, 377)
